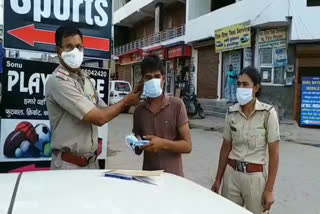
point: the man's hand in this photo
(216, 186)
(267, 200)
(137, 149)
(156, 144)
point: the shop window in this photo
(266, 56)
(313, 3)
(272, 65)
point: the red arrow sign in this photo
(30, 35)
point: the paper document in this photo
(148, 177)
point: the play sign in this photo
(31, 24)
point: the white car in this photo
(88, 191)
(118, 90)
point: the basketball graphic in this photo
(29, 131)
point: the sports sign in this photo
(31, 24)
(25, 129)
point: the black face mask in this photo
(230, 69)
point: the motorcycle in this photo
(193, 105)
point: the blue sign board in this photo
(310, 101)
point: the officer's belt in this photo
(244, 166)
(77, 160)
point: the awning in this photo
(160, 51)
(131, 57)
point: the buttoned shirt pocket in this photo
(258, 138)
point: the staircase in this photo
(216, 108)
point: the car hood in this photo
(87, 191)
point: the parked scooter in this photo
(193, 105)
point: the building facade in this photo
(269, 35)
(147, 27)
(198, 40)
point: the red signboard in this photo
(160, 51)
(179, 51)
(131, 57)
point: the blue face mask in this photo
(152, 88)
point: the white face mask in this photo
(73, 58)
(152, 88)
(244, 95)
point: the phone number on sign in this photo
(96, 73)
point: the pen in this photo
(118, 176)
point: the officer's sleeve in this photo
(68, 97)
(273, 133)
(227, 130)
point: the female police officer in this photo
(251, 142)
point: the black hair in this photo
(65, 31)
(151, 63)
(254, 75)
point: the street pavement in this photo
(297, 190)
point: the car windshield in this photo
(122, 86)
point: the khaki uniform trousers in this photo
(58, 164)
(244, 189)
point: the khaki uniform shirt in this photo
(251, 135)
(163, 124)
(69, 98)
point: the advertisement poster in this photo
(233, 37)
(280, 57)
(25, 129)
(310, 101)
(247, 57)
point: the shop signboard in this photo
(131, 57)
(233, 37)
(310, 101)
(179, 51)
(31, 25)
(25, 129)
(160, 51)
(273, 38)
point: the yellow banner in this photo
(233, 37)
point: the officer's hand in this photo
(216, 186)
(132, 99)
(267, 200)
(139, 87)
(155, 145)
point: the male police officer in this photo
(74, 108)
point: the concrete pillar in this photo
(220, 77)
(158, 18)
